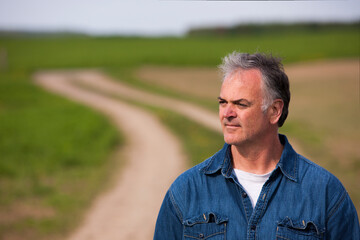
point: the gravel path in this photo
(153, 159)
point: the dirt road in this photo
(98, 80)
(153, 159)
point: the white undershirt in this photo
(252, 183)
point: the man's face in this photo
(240, 113)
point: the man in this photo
(256, 186)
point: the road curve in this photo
(100, 81)
(153, 160)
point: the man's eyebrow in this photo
(236, 101)
(240, 100)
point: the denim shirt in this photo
(300, 200)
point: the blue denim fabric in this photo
(300, 200)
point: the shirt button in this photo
(253, 228)
(244, 194)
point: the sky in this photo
(163, 17)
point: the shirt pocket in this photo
(209, 225)
(299, 230)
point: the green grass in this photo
(34, 53)
(54, 155)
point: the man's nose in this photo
(229, 112)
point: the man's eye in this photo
(222, 102)
(242, 104)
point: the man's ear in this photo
(275, 111)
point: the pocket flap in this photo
(301, 225)
(207, 217)
(208, 225)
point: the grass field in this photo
(34, 53)
(50, 163)
(46, 143)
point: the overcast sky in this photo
(154, 17)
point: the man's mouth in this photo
(230, 125)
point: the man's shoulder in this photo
(325, 186)
(309, 167)
(309, 176)
(311, 173)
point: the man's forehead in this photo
(244, 84)
(247, 79)
(252, 75)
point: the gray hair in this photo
(275, 81)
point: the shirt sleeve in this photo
(169, 221)
(343, 221)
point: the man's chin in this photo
(231, 140)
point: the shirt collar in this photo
(222, 161)
(288, 163)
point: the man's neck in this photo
(258, 157)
